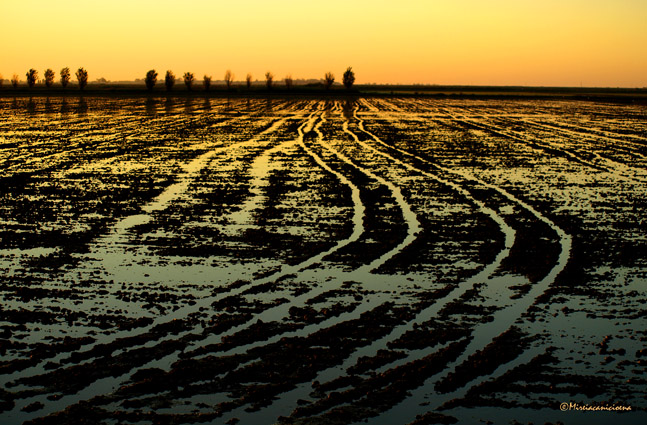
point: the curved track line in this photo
(339, 370)
(413, 225)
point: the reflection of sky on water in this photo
(126, 258)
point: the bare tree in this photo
(49, 77)
(206, 81)
(188, 80)
(329, 78)
(248, 80)
(229, 79)
(169, 80)
(288, 82)
(1, 80)
(151, 79)
(32, 76)
(349, 78)
(269, 77)
(14, 81)
(82, 77)
(65, 76)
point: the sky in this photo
(595, 43)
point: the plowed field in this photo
(298, 261)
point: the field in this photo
(307, 261)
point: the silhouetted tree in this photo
(151, 79)
(349, 78)
(14, 81)
(269, 77)
(229, 79)
(82, 78)
(206, 81)
(188, 80)
(49, 77)
(1, 80)
(329, 79)
(32, 76)
(169, 80)
(288, 82)
(248, 79)
(65, 76)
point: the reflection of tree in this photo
(31, 106)
(329, 78)
(32, 76)
(49, 77)
(206, 105)
(151, 109)
(82, 106)
(151, 79)
(169, 80)
(349, 78)
(48, 106)
(348, 108)
(65, 108)
(82, 77)
(169, 106)
(188, 105)
(188, 80)
(65, 76)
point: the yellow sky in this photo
(481, 42)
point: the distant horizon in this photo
(300, 81)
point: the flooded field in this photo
(296, 261)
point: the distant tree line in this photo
(189, 79)
(49, 77)
(169, 79)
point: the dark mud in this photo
(180, 260)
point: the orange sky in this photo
(494, 42)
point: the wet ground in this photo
(296, 261)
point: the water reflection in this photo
(169, 105)
(31, 106)
(188, 105)
(206, 105)
(65, 107)
(49, 108)
(348, 108)
(82, 107)
(151, 107)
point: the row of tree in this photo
(32, 77)
(189, 79)
(169, 79)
